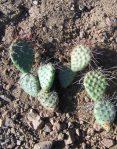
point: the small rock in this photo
(116, 39)
(43, 145)
(83, 145)
(61, 136)
(9, 122)
(90, 131)
(81, 7)
(107, 142)
(48, 128)
(18, 142)
(56, 126)
(13, 131)
(67, 115)
(35, 120)
(0, 122)
(70, 125)
(97, 127)
(78, 132)
(50, 39)
(71, 137)
(35, 2)
(82, 34)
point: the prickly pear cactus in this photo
(46, 74)
(30, 84)
(66, 76)
(49, 100)
(80, 58)
(95, 85)
(104, 112)
(22, 55)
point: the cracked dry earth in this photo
(54, 27)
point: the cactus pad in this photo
(95, 84)
(104, 112)
(66, 76)
(22, 55)
(49, 100)
(80, 58)
(46, 75)
(30, 84)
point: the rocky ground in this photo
(54, 27)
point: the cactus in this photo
(22, 55)
(104, 112)
(49, 100)
(30, 84)
(80, 58)
(95, 84)
(66, 76)
(46, 74)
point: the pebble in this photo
(71, 137)
(43, 145)
(83, 145)
(35, 2)
(50, 39)
(82, 34)
(9, 122)
(13, 131)
(61, 136)
(48, 128)
(97, 127)
(18, 142)
(90, 131)
(78, 132)
(35, 120)
(67, 115)
(56, 126)
(0, 122)
(107, 142)
(116, 39)
(70, 125)
(81, 7)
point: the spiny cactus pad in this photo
(30, 84)
(49, 100)
(104, 112)
(80, 57)
(22, 55)
(46, 75)
(95, 84)
(66, 76)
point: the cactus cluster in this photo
(49, 100)
(104, 112)
(80, 58)
(21, 53)
(46, 75)
(30, 84)
(95, 82)
(66, 76)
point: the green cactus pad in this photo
(95, 85)
(49, 100)
(22, 55)
(104, 112)
(30, 84)
(66, 76)
(80, 58)
(46, 75)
